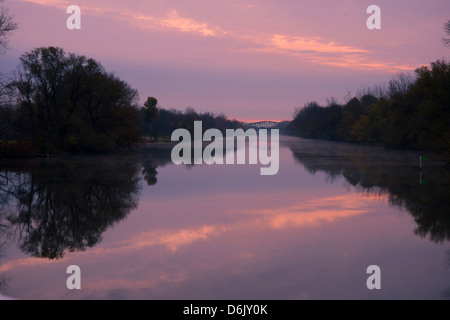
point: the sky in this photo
(249, 59)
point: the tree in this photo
(150, 108)
(150, 112)
(6, 112)
(368, 99)
(351, 112)
(400, 84)
(6, 26)
(431, 95)
(70, 103)
(447, 31)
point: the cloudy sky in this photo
(249, 59)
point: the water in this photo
(140, 227)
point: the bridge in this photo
(263, 125)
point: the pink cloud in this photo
(313, 49)
(303, 44)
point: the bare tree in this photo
(332, 101)
(447, 31)
(400, 84)
(6, 26)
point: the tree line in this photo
(165, 121)
(412, 112)
(63, 102)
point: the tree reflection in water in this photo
(394, 173)
(59, 205)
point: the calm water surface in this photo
(140, 227)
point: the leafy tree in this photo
(149, 114)
(151, 110)
(70, 103)
(351, 112)
(371, 126)
(368, 99)
(314, 121)
(430, 97)
(307, 119)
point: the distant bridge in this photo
(262, 124)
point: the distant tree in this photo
(314, 121)
(351, 112)
(347, 97)
(151, 111)
(400, 84)
(447, 31)
(331, 101)
(169, 120)
(306, 119)
(368, 99)
(6, 26)
(379, 91)
(150, 114)
(370, 127)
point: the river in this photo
(140, 227)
